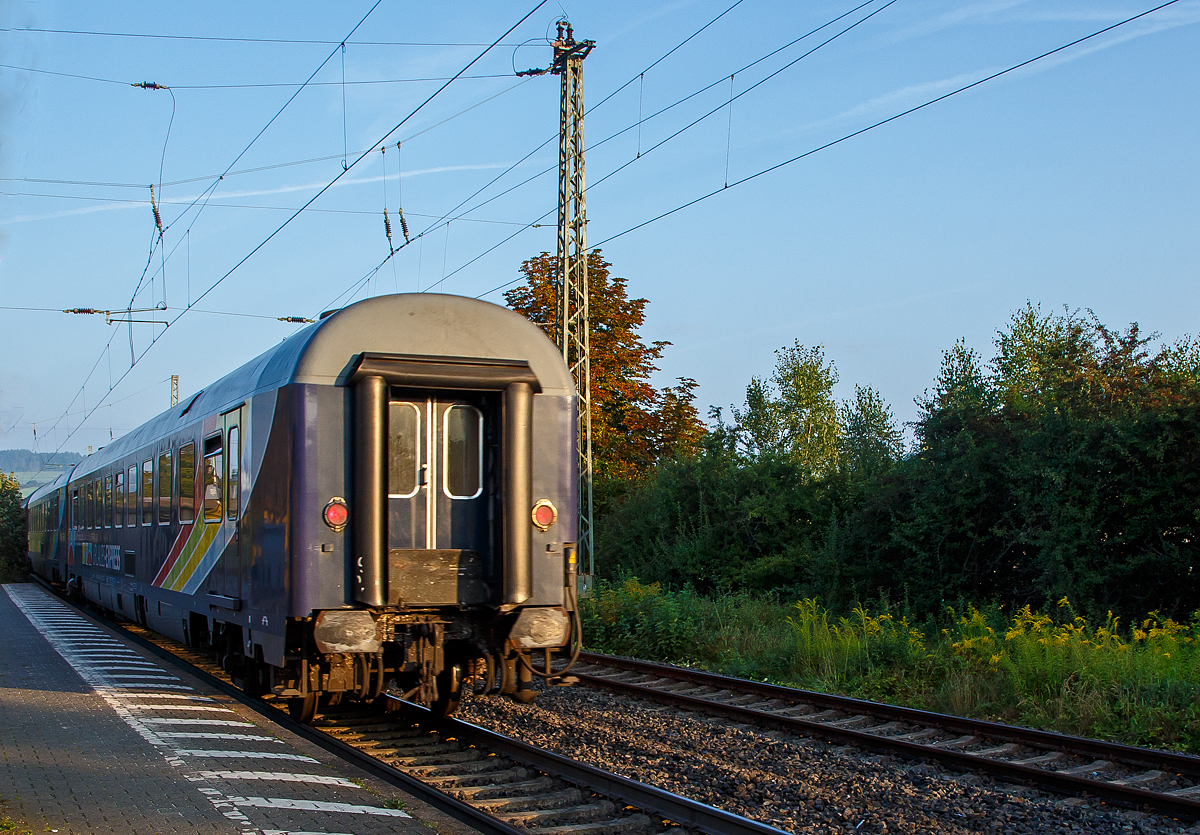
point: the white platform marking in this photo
(317, 806)
(247, 755)
(180, 696)
(285, 777)
(223, 722)
(183, 708)
(203, 735)
(94, 660)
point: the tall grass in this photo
(1138, 684)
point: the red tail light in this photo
(336, 513)
(544, 514)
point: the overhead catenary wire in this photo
(447, 216)
(890, 119)
(95, 311)
(205, 195)
(868, 128)
(275, 166)
(220, 39)
(296, 214)
(135, 202)
(207, 192)
(695, 122)
(461, 215)
(261, 85)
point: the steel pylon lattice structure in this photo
(571, 282)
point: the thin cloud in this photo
(231, 195)
(914, 94)
(971, 14)
(897, 100)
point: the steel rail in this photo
(455, 808)
(672, 807)
(1129, 796)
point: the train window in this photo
(165, 485)
(131, 497)
(91, 504)
(187, 483)
(119, 499)
(147, 492)
(404, 458)
(108, 502)
(233, 484)
(75, 508)
(462, 460)
(214, 469)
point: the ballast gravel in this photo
(798, 784)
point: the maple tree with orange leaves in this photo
(634, 424)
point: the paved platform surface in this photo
(97, 736)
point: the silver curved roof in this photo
(427, 324)
(53, 486)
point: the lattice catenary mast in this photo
(571, 281)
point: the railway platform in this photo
(97, 736)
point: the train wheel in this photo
(304, 708)
(485, 675)
(525, 692)
(450, 688)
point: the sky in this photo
(1074, 180)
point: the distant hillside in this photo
(26, 460)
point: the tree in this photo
(14, 562)
(871, 442)
(795, 415)
(634, 425)
(1065, 466)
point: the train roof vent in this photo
(328, 313)
(191, 400)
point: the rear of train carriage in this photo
(384, 500)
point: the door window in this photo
(131, 504)
(404, 451)
(165, 485)
(462, 467)
(148, 492)
(214, 470)
(119, 499)
(234, 483)
(187, 483)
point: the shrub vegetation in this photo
(14, 564)
(1137, 684)
(1068, 466)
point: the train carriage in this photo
(383, 500)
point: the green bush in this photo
(1138, 685)
(14, 560)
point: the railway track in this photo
(493, 783)
(1159, 781)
